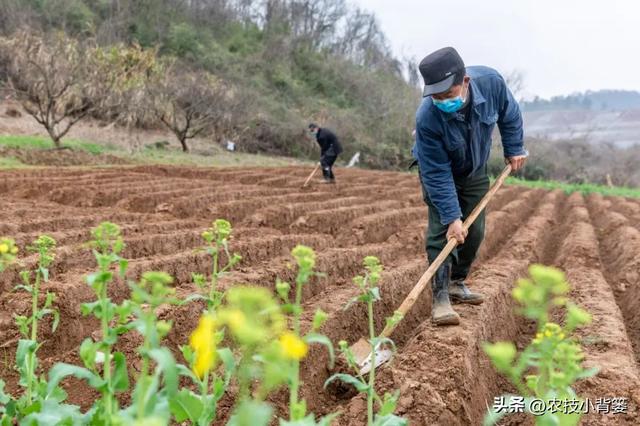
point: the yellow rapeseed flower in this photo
(203, 343)
(4, 249)
(236, 319)
(293, 347)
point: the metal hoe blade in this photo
(362, 353)
(382, 356)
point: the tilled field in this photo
(442, 373)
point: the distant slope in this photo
(601, 100)
(622, 128)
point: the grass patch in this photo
(217, 157)
(41, 142)
(26, 142)
(220, 158)
(90, 147)
(583, 188)
(11, 163)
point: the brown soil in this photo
(64, 157)
(443, 375)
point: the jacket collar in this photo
(478, 97)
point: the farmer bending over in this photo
(330, 148)
(454, 123)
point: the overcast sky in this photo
(562, 46)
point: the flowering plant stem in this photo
(31, 360)
(43, 245)
(370, 294)
(372, 373)
(295, 379)
(106, 350)
(107, 245)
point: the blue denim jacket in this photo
(442, 149)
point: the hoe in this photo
(362, 348)
(306, 182)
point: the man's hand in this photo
(516, 162)
(457, 231)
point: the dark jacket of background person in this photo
(328, 141)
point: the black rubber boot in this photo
(441, 311)
(327, 175)
(460, 293)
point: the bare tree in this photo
(13, 16)
(213, 13)
(413, 73)
(246, 10)
(189, 103)
(49, 79)
(122, 77)
(515, 82)
(313, 23)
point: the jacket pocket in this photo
(490, 119)
(456, 147)
(454, 142)
(487, 124)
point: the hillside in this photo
(620, 128)
(600, 100)
(287, 63)
(264, 70)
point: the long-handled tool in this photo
(362, 349)
(306, 182)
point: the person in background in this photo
(330, 148)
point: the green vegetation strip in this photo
(584, 188)
(217, 157)
(42, 142)
(10, 163)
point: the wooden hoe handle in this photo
(426, 277)
(306, 182)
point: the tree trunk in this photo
(55, 138)
(183, 142)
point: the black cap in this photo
(440, 70)
(313, 126)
